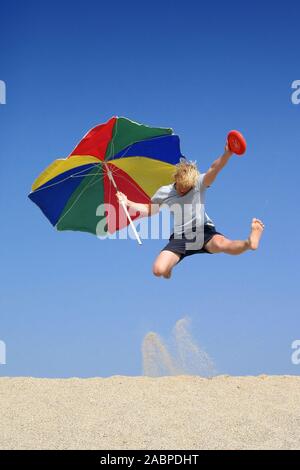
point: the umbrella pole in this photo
(109, 173)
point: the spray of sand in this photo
(182, 357)
(157, 360)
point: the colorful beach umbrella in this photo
(79, 192)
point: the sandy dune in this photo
(182, 412)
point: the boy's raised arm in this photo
(217, 166)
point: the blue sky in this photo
(73, 305)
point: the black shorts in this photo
(178, 245)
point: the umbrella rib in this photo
(117, 170)
(88, 186)
(113, 145)
(130, 182)
(126, 150)
(65, 179)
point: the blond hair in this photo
(186, 174)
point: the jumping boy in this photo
(186, 193)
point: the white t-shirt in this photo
(189, 212)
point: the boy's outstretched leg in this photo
(257, 228)
(221, 244)
(164, 263)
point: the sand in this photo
(180, 412)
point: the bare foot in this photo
(257, 228)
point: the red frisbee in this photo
(236, 142)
